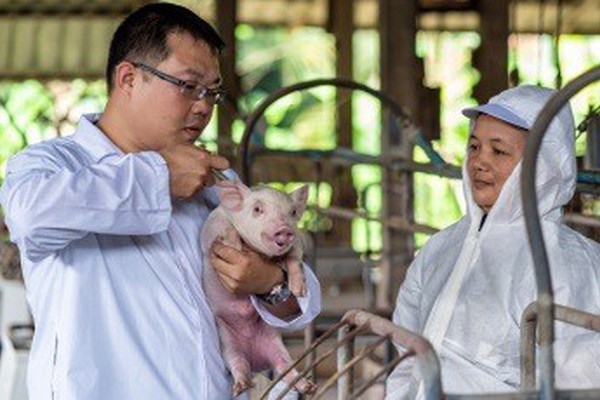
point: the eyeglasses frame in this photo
(186, 88)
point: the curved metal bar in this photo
(426, 358)
(365, 322)
(438, 165)
(534, 230)
(318, 361)
(308, 351)
(342, 83)
(569, 315)
(349, 365)
(388, 367)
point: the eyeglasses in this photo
(189, 90)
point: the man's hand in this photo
(247, 271)
(190, 169)
(244, 271)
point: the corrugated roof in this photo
(69, 38)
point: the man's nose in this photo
(202, 106)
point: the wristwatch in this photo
(279, 294)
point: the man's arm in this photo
(50, 202)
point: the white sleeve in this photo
(403, 382)
(49, 205)
(577, 358)
(309, 305)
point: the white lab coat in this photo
(113, 275)
(467, 288)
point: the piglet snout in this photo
(284, 237)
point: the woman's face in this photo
(495, 148)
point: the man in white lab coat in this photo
(468, 287)
(108, 220)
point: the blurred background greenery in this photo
(270, 58)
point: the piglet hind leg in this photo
(235, 359)
(280, 359)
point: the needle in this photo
(219, 175)
(216, 173)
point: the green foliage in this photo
(32, 111)
(532, 56)
(271, 58)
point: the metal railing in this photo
(537, 320)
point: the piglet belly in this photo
(254, 338)
(236, 310)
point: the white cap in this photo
(518, 106)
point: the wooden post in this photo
(491, 58)
(226, 22)
(400, 79)
(341, 17)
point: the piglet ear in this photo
(300, 197)
(232, 194)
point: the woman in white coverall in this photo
(468, 287)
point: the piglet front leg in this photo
(296, 281)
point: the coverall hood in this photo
(556, 169)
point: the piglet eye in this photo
(294, 212)
(257, 210)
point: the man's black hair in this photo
(142, 36)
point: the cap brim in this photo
(497, 111)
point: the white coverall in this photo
(468, 287)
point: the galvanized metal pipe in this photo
(592, 394)
(426, 358)
(384, 371)
(330, 332)
(346, 369)
(321, 358)
(565, 314)
(534, 230)
(394, 107)
(397, 223)
(344, 355)
(341, 156)
(586, 220)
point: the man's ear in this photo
(124, 77)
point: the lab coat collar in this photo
(93, 140)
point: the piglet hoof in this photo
(305, 386)
(240, 387)
(298, 288)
